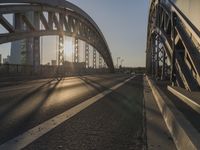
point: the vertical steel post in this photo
(157, 55)
(17, 21)
(173, 61)
(100, 61)
(94, 59)
(36, 43)
(76, 50)
(163, 77)
(61, 50)
(87, 55)
(36, 52)
(153, 47)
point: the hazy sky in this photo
(123, 23)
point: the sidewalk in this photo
(158, 136)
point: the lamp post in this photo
(117, 61)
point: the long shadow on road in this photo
(10, 129)
(128, 103)
(124, 101)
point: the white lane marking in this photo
(31, 135)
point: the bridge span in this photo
(75, 106)
(35, 18)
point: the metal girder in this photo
(28, 24)
(61, 50)
(6, 24)
(94, 58)
(76, 50)
(169, 39)
(87, 54)
(70, 21)
(36, 51)
(100, 61)
(44, 21)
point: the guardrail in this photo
(14, 70)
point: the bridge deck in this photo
(114, 122)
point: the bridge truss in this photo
(54, 17)
(173, 46)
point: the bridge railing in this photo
(42, 71)
(190, 37)
(24, 70)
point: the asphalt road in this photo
(114, 122)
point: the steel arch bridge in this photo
(173, 44)
(58, 17)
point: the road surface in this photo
(113, 121)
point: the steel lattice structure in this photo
(173, 45)
(58, 17)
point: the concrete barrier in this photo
(191, 99)
(185, 136)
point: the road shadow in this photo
(24, 98)
(8, 129)
(126, 102)
(118, 101)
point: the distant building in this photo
(48, 64)
(53, 62)
(73, 66)
(6, 60)
(15, 54)
(22, 50)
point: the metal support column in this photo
(76, 51)
(36, 52)
(17, 21)
(36, 42)
(100, 61)
(173, 69)
(86, 55)
(94, 58)
(164, 65)
(157, 55)
(153, 49)
(61, 50)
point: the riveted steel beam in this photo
(170, 39)
(76, 50)
(87, 55)
(94, 58)
(70, 21)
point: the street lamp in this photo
(117, 61)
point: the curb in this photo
(145, 145)
(185, 136)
